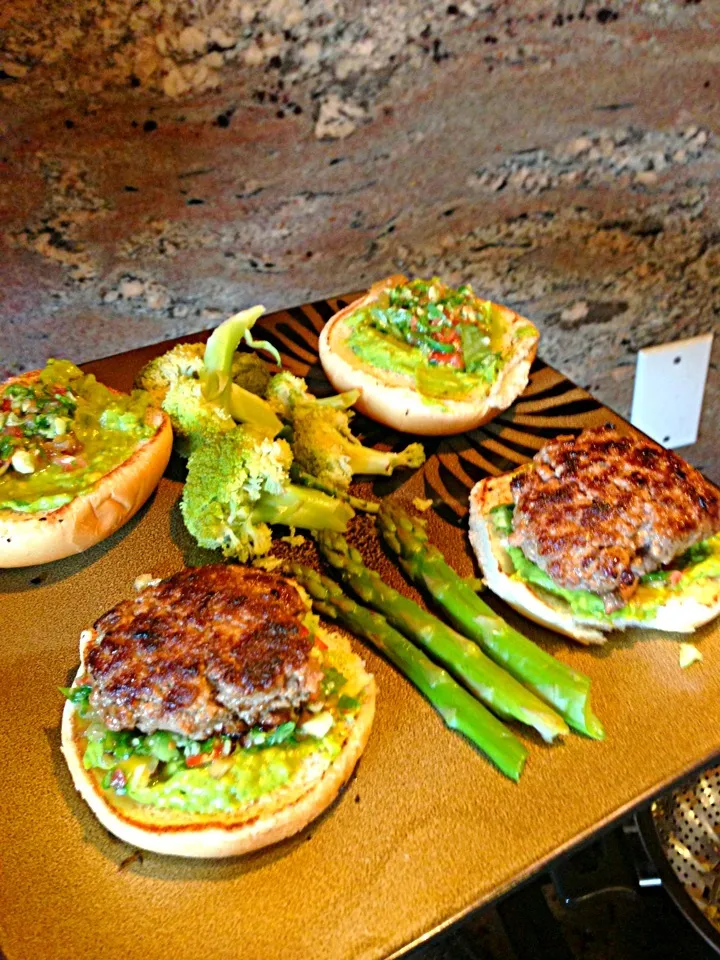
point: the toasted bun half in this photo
(392, 399)
(274, 817)
(679, 614)
(30, 538)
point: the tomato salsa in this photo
(60, 433)
(448, 339)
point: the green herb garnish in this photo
(332, 681)
(348, 703)
(79, 696)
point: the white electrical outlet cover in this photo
(669, 389)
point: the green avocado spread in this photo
(695, 573)
(452, 343)
(62, 432)
(223, 773)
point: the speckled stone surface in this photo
(165, 163)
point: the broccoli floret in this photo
(250, 372)
(205, 388)
(324, 446)
(193, 417)
(238, 483)
(285, 391)
(186, 360)
(242, 405)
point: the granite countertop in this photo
(166, 163)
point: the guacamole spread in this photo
(449, 341)
(695, 573)
(62, 432)
(222, 773)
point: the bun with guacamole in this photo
(426, 358)
(77, 460)
(212, 715)
(601, 532)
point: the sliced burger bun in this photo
(679, 614)
(27, 539)
(271, 818)
(391, 398)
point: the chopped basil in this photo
(6, 447)
(488, 367)
(280, 734)
(348, 703)
(502, 517)
(657, 576)
(332, 681)
(695, 554)
(271, 738)
(121, 745)
(77, 695)
(18, 392)
(162, 745)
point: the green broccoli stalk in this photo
(216, 375)
(173, 381)
(357, 503)
(225, 339)
(323, 444)
(238, 483)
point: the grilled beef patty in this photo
(598, 511)
(216, 649)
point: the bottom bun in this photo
(393, 398)
(27, 539)
(272, 817)
(679, 614)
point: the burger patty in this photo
(598, 511)
(216, 649)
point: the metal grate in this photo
(688, 826)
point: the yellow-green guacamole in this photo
(60, 433)
(695, 573)
(449, 341)
(222, 774)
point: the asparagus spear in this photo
(456, 706)
(557, 684)
(489, 682)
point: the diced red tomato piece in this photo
(447, 359)
(118, 779)
(201, 758)
(447, 335)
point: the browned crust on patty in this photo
(211, 649)
(600, 510)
